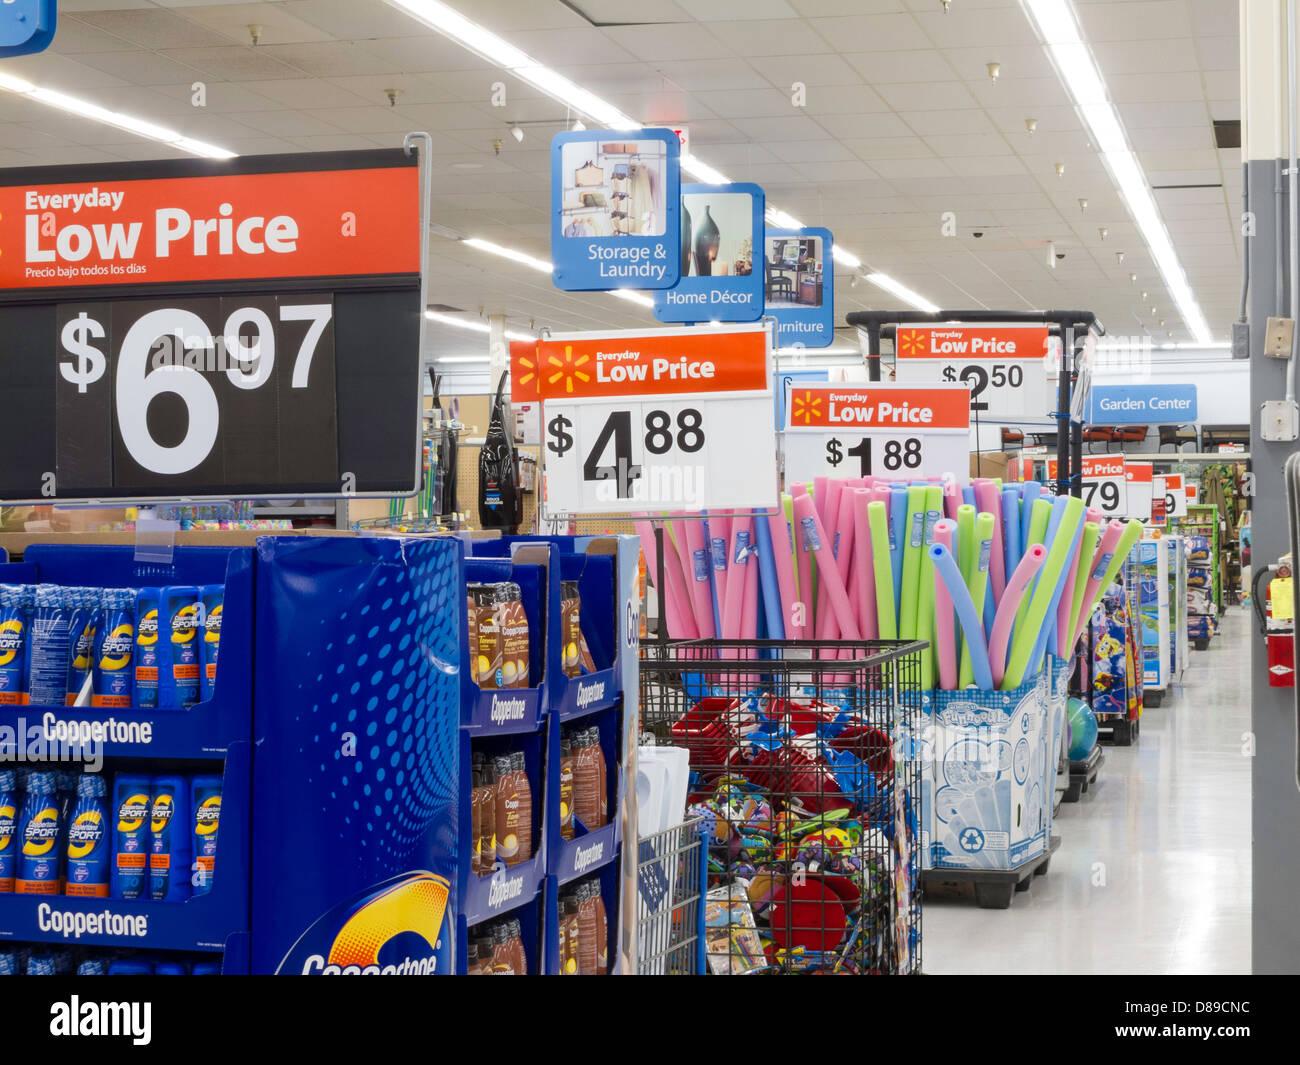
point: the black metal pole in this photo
(1076, 428)
(1063, 450)
(661, 623)
(873, 351)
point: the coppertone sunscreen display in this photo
(169, 840)
(205, 801)
(88, 839)
(113, 683)
(9, 804)
(179, 605)
(147, 651)
(38, 837)
(132, 807)
(212, 597)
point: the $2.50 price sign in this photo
(881, 430)
(676, 419)
(1105, 484)
(1004, 367)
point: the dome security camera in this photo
(977, 234)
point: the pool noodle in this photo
(913, 546)
(863, 566)
(1029, 492)
(768, 583)
(1131, 532)
(977, 582)
(819, 495)
(734, 606)
(845, 533)
(720, 551)
(1047, 634)
(925, 590)
(701, 554)
(1026, 569)
(1103, 562)
(951, 498)
(1042, 510)
(968, 495)
(945, 638)
(678, 617)
(988, 501)
(882, 568)
(803, 565)
(675, 535)
(1022, 643)
(897, 538)
(1072, 594)
(820, 547)
(965, 539)
(971, 626)
(779, 538)
(1011, 530)
(1087, 551)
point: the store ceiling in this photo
(901, 124)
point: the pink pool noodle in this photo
(675, 543)
(679, 619)
(784, 572)
(989, 501)
(863, 571)
(733, 608)
(1096, 571)
(701, 592)
(1061, 643)
(844, 534)
(819, 494)
(834, 587)
(951, 499)
(1000, 638)
(945, 636)
(750, 607)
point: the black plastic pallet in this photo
(1083, 774)
(1118, 730)
(994, 888)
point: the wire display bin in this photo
(672, 877)
(805, 766)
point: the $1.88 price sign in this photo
(674, 420)
(196, 392)
(1003, 366)
(882, 430)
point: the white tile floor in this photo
(1169, 823)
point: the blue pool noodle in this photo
(1011, 528)
(1049, 629)
(898, 525)
(713, 580)
(971, 626)
(767, 580)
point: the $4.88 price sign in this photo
(224, 391)
(883, 430)
(677, 419)
(1004, 367)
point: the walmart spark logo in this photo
(805, 407)
(566, 369)
(912, 342)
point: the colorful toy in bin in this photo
(1083, 729)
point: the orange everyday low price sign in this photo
(359, 221)
(972, 342)
(649, 364)
(887, 407)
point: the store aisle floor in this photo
(1153, 874)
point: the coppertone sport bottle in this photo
(88, 839)
(38, 836)
(205, 801)
(169, 840)
(212, 596)
(113, 682)
(148, 654)
(9, 805)
(132, 806)
(179, 605)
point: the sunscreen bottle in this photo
(115, 636)
(88, 840)
(38, 835)
(169, 840)
(15, 603)
(205, 801)
(9, 807)
(131, 810)
(180, 640)
(212, 597)
(148, 651)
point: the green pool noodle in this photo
(925, 591)
(913, 548)
(1131, 534)
(1022, 644)
(965, 536)
(1039, 516)
(887, 619)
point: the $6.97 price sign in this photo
(196, 390)
(881, 430)
(675, 420)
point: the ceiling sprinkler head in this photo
(1051, 254)
(1142, 295)
(1083, 203)
(517, 131)
(1060, 170)
(496, 145)
(255, 32)
(392, 97)
(994, 70)
(579, 125)
(1119, 257)
(1153, 309)
(1133, 278)
(1031, 124)
(946, 5)
(1103, 232)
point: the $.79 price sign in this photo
(675, 419)
(882, 430)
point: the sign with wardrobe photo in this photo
(795, 262)
(615, 205)
(721, 225)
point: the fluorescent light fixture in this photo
(701, 171)
(904, 293)
(509, 253)
(632, 297)
(1058, 29)
(782, 220)
(91, 112)
(791, 353)
(845, 257)
(478, 359)
(473, 325)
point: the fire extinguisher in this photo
(1279, 633)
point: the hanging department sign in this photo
(26, 26)
(1141, 404)
(895, 431)
(195, 329)
(721, 281)
(1005, 367)
(674, 419)
(615, 205)
(799, 285)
